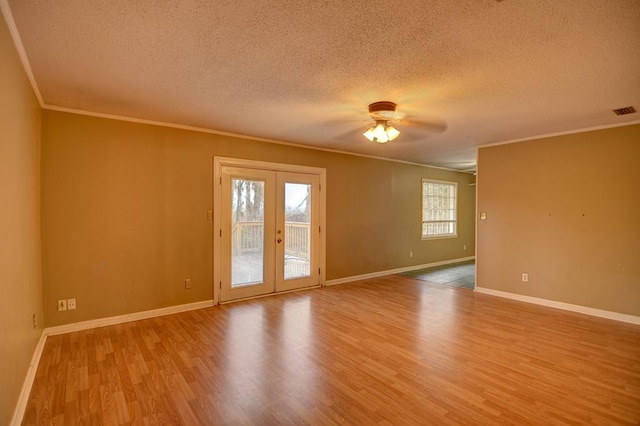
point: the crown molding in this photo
(234, 135)
(17, 42)
(568, 132)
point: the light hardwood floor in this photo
(391, 350)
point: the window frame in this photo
(455, 210)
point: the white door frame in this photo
(218, 163)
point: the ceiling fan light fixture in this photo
(369, 134)
(392, 132)
(382, 132)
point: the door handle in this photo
(279, 240)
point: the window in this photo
(439, 209)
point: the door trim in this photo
(218, 163)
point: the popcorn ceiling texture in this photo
(473, 72)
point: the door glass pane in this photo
(297, 230)
(247, 232)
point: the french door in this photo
(269, 228)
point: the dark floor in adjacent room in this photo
(456, 274)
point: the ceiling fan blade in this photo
(362, 122)
(432, 126)
(352, 136)
(416, 134)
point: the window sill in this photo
(439, 237)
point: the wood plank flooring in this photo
(392, 350)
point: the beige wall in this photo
(124, 213)
(565, 210)
(20, 275)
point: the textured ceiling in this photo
(472, 72)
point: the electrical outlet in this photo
(465, 247)
(410, 254)
(62, 305)
(525, 278)
(187, 283)
(71, 304)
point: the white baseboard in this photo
(561, 305)
(136, 316)
(21, 406)
(395, 271)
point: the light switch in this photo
(483, 215)
(209, 215)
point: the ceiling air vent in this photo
(625, 110)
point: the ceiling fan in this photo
(384, 124)
(383, 113)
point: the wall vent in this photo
(625, 110)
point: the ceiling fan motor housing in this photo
(382, 110)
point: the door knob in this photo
(279, 240)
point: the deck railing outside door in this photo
(247, 237)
